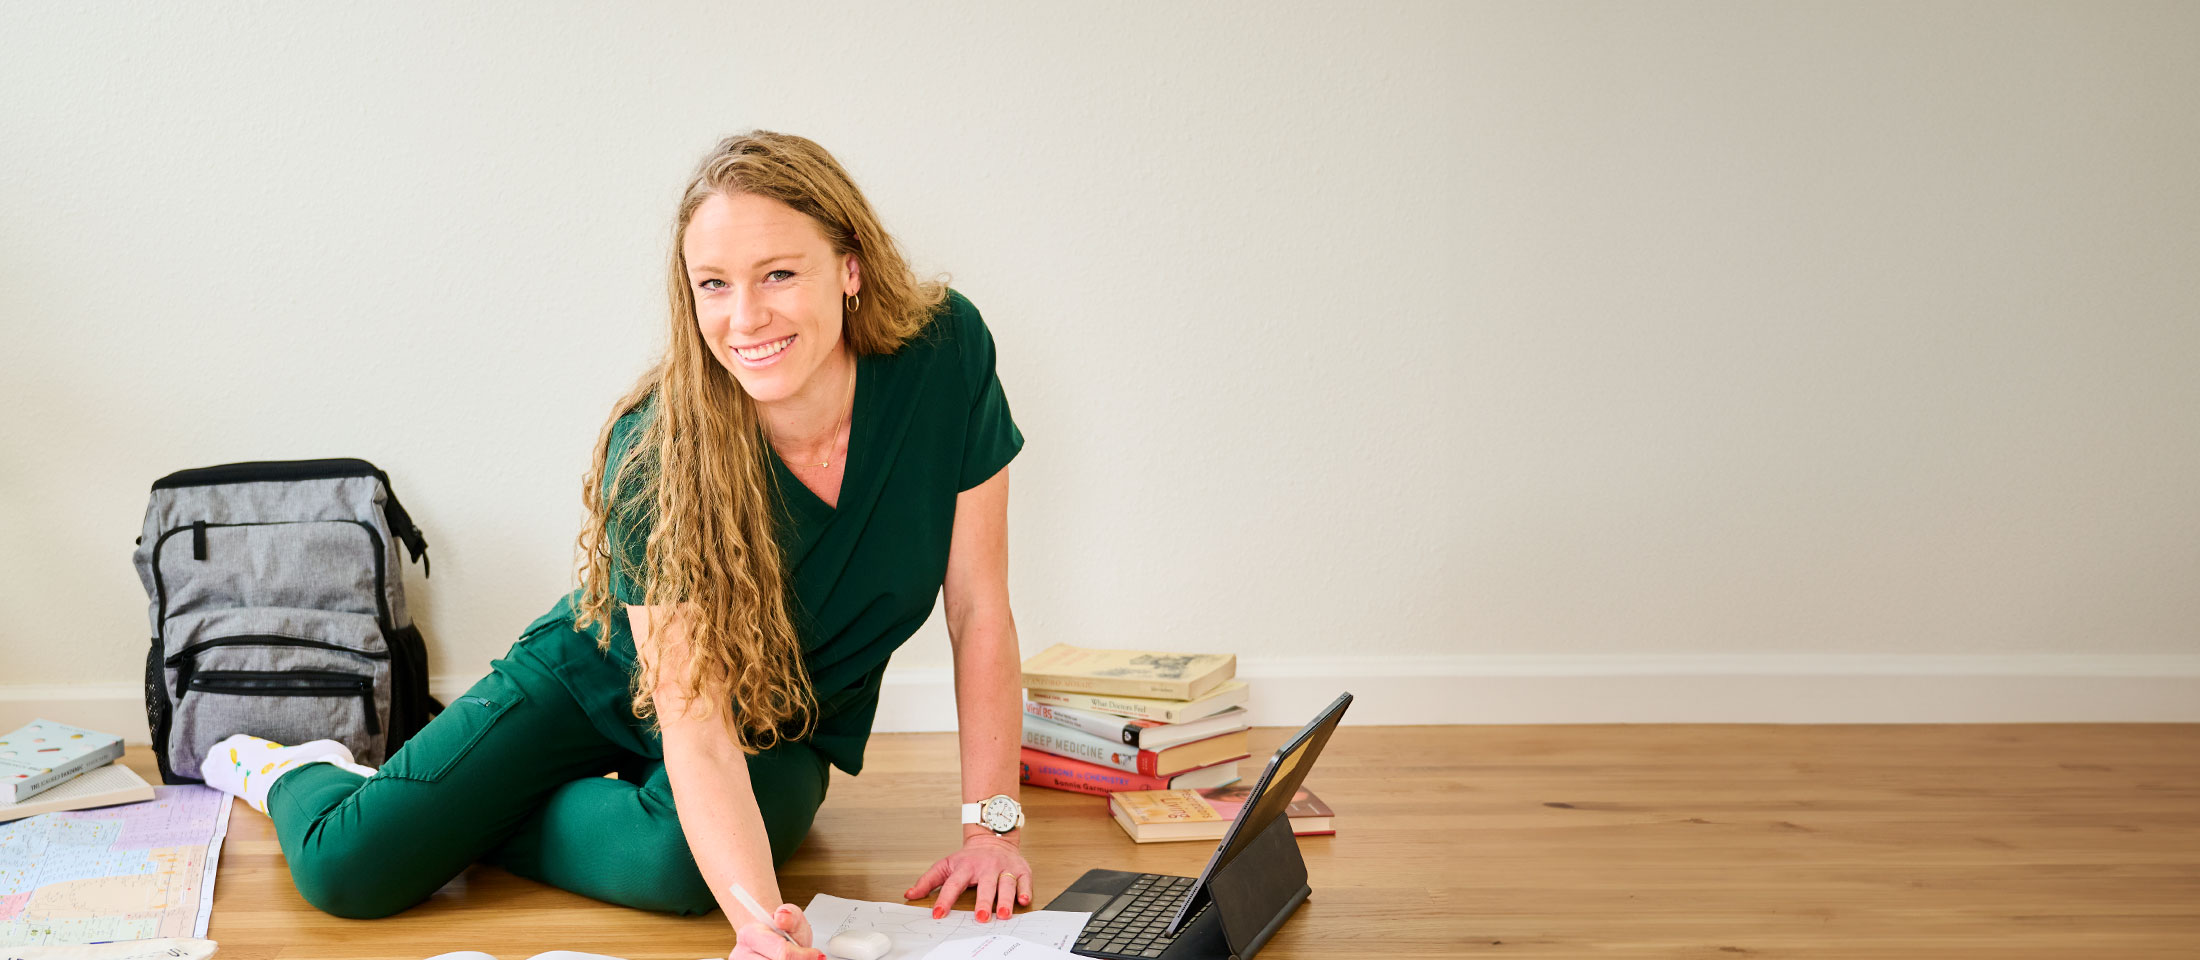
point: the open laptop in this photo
(1254, 881)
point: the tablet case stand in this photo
(1259, 888)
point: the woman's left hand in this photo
(990, 863)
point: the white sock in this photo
(246, 766)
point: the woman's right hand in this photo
(755, 941)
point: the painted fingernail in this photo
(981, 915)
(938, 912)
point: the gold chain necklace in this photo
(844, 421)
(836, 432)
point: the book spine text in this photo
(1041, 769)
(1109, 728)
(1079, 745)
(1141, 709)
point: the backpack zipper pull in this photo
(366, 696)
(198, 540)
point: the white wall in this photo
(1398, 343)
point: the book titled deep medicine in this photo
(43, 754)
(1042, 769)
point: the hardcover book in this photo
(1144, 734)
(1129, 673)
(1079, 745)
(1229, 694)
(1042, 769)
(43, 754)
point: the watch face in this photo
(1000, 814)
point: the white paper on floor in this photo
(915, 933)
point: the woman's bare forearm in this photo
(709, 774)
(724, 828)
(989, 708)
(989, 711)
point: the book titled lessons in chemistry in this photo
(1128, 673)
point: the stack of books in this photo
(1106, 721)
(47, 767)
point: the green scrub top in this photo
(930, 421)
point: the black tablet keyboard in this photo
(1131, 925)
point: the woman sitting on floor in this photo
(772, 510)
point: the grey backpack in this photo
(278, 609)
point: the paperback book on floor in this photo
(43, 754)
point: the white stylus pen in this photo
(741, 893)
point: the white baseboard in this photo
(1735, 688)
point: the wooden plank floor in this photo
(1532, 841)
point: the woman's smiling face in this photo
(768, 292)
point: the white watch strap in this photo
(970, 813)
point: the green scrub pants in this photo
(512, 774)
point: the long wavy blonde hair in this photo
(700, 469)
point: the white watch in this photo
(999, 813)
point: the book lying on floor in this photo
(104, 787)
(44, 754)
(1158, 816)
(1152, 816)
(1310, 817)
(1230, 694)
(1042, 769)
(1079, 745)
(1128, 673)
(1143, 734)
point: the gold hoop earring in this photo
(853, 303)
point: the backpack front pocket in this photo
(279, 641)
(286, 706)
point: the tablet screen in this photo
(1271, 794)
